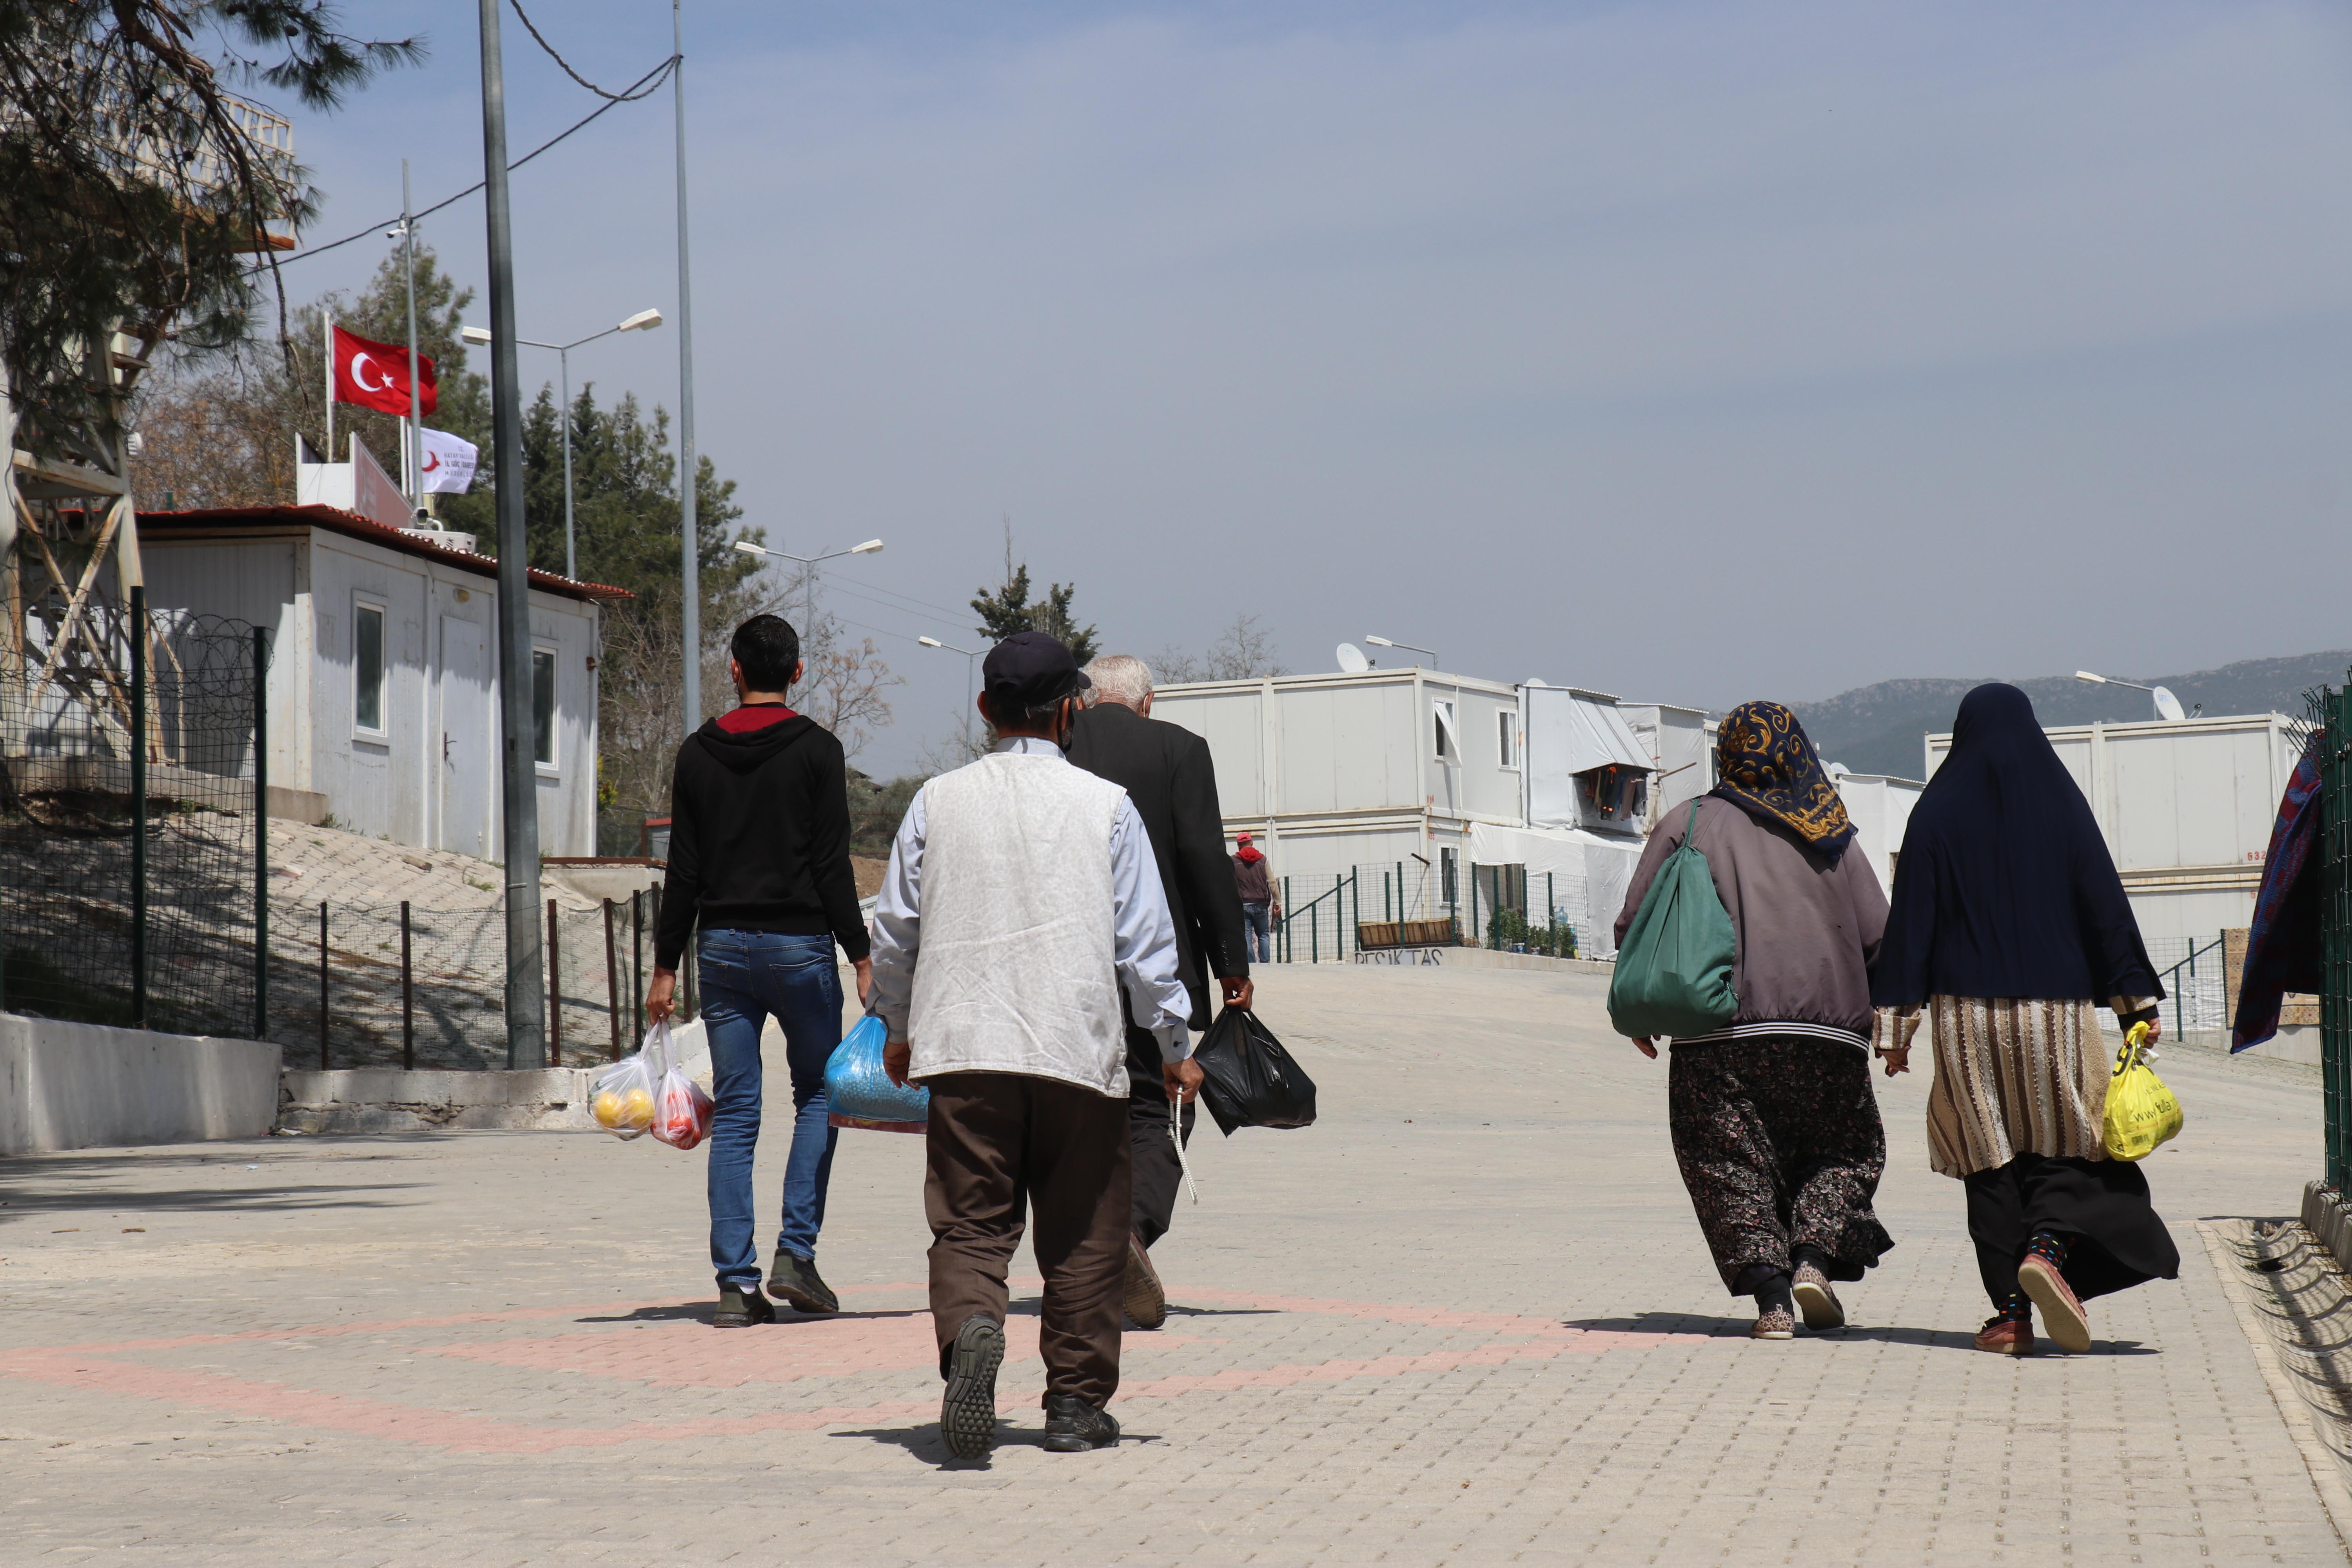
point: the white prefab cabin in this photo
(383, 671)
(1420, 783)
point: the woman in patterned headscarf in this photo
(1774, 1122)
(2010, 927)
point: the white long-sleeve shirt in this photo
(1144, 934)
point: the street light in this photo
(808, 597)
(2167, 705)
(1384, 642)
(644, 320)
(969, 655)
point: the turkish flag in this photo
(376, 375)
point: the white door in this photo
(464, 736)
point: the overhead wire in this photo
(650, 80)
(629, 94)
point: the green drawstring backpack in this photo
(1674, 971)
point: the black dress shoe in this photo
(794, 1282)
(968, 1409)
(741, 1305)
(1073, 1426)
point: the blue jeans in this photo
(748, 976)
(1256, 935)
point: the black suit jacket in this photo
(1167, 773)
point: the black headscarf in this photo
(1770, 769)
(2005, 888)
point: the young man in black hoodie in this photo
(759, 856)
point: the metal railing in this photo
(385, 985)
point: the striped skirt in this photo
(2014, 1077)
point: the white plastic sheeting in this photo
(1588, 875)
(1570, 733)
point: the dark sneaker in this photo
(1145, 1302)
(1815, 1299)
(741, 1305)
(1073, 1426)
(968, 1409)
(2062, 1317)
(794, 1282)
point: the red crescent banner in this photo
(376, 375)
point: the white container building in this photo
(383, 676)
(1438, 795)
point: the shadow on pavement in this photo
(700, 1312)
(1885, 1334)
(923, 1442)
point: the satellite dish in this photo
(1353, 659)
(2167, 705)
(1535, 680)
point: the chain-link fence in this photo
(128, 813)
(396, 985)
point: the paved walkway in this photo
(1466, 1318)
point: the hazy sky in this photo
(1694, 353)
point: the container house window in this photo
(367, 668)
(543, 706)
(1447, 751)
(1507, 738)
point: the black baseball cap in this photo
(1029, 669)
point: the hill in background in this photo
(1880, 729)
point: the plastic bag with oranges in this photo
(623, 1100)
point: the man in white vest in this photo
(1021, 891)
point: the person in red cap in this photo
(1261, 905)
(1021, 898)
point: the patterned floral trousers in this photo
(1780, 1146)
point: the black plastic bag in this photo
(1248, 1079)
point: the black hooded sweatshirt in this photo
(759, 837)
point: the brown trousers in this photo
(1000, 1143)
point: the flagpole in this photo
(689, 576)
(526, 996)
(415, 385)
(327, 321)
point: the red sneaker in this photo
(2062, 1313)
(2006, 1336)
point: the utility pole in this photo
(526, 1000)
(689, 578)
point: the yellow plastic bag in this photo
(2141, 1113)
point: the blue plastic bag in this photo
(862, 1095)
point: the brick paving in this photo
(1465, 1319)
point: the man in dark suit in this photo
(1167, 774)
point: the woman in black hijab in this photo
(2010, 925)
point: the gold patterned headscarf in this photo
(1769, 767)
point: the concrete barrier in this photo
(86, 1086)
(386, 1100)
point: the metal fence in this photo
(2331, 710)
(397, 986)
(130, 805)
(1501, 907)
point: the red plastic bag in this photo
(681, 1110)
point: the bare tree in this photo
(1243, 651)
(845, 683)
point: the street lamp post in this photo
(808, 588)
(2167, 705)
(969, 655)
(1384, 642)
(644, 320)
